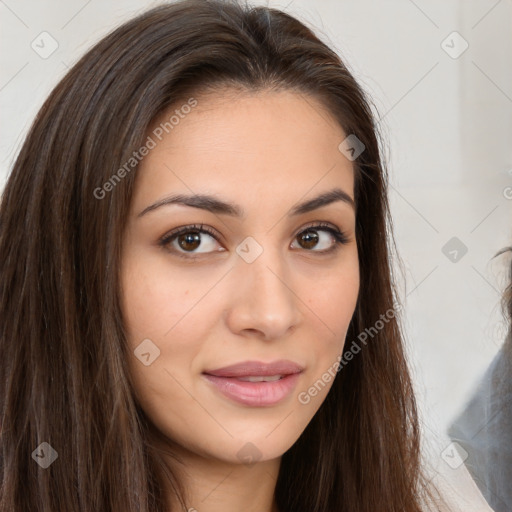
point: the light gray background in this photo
(448, 123)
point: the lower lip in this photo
(254, 394)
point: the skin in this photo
(266, 152)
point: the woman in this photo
(196, 298)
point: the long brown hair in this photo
(64, 377)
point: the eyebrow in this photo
(215, 205)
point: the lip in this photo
(257, 368)
(255, 394)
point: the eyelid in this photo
(318, 225)
(191, 227)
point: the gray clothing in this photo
(484, 430)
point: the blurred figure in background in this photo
(484, 428)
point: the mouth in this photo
(261, 378)
(255, 384)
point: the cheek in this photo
(165, 307)
(331, 305)
(175, 309)
(334, 302)
(332, 299)
(162, 302)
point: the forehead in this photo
(249, 146)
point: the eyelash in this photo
(340, 237)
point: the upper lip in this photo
(256, 369)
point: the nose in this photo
(262, 301)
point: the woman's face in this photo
(256, 288)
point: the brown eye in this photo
(309, 239)
(189, 241)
